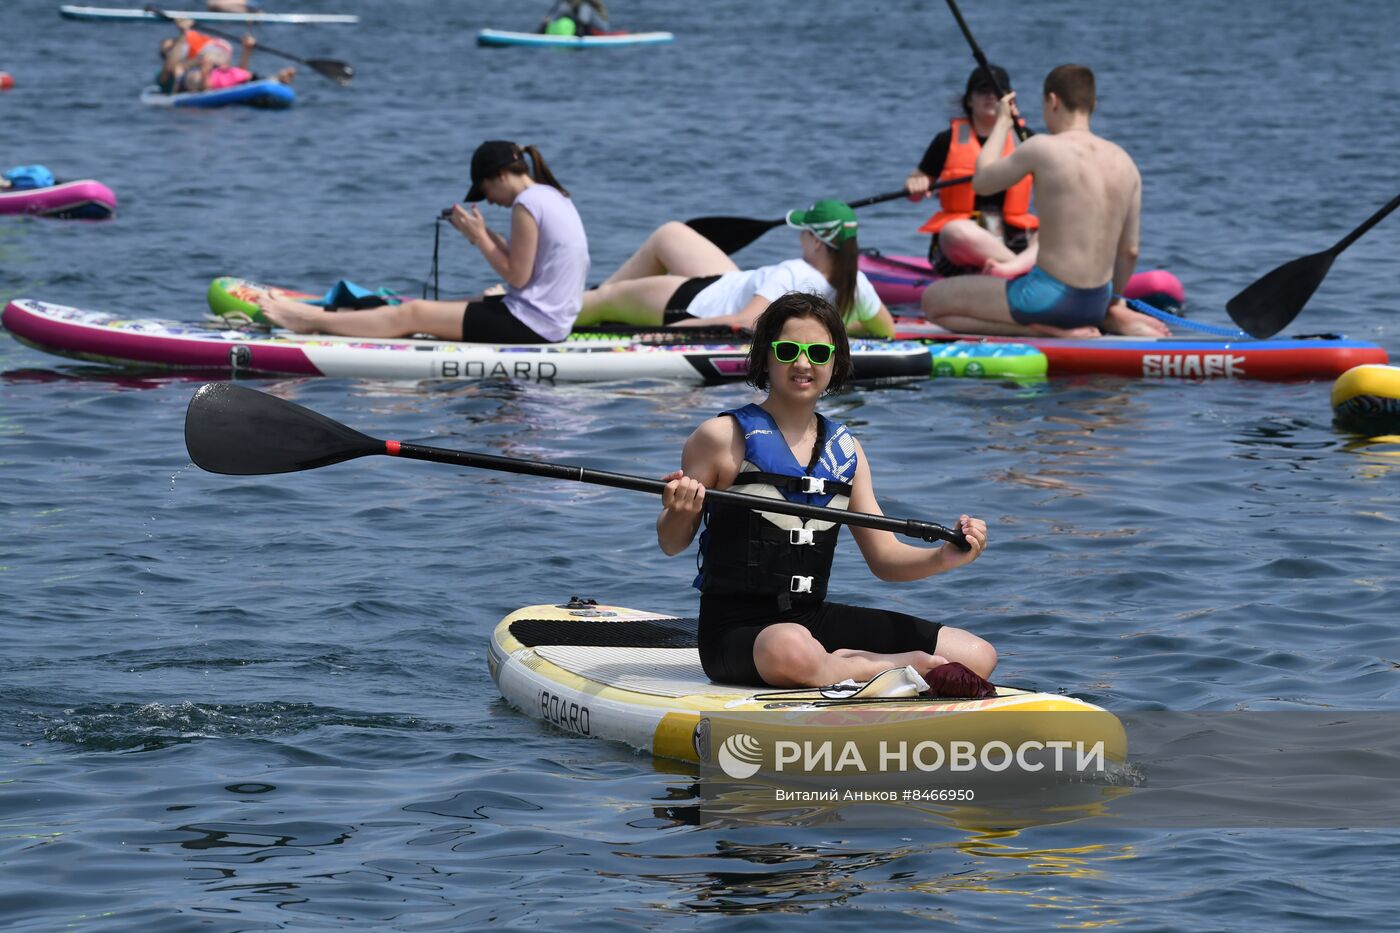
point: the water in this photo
(241, 704)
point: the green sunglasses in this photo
(818, 354)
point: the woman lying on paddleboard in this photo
(679, 278)
(764, 618)
(544, 264)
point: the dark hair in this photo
(770, 324)
(980, 78)
(541, 173)
(1074, 86)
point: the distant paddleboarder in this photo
(194, 61)
(974, 233)
(575, 18)
(678, 278)
(1089, 196)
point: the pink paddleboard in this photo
(80, 200)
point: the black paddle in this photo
(1272, 302)
(338, 71)
(1022, 133)
(240, 432)
(732, 234)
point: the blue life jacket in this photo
(25, 177)
(747, 552)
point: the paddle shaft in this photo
(316, 64)
(927, 531)
(1374, 219)
(1021, 132)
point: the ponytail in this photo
(845, 265)
(542, 173)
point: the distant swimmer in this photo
(196, 62)
(992, 234)
(575, 18)
(1089, 196)
(679, 278)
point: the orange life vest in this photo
(196, 41)
(958, 202)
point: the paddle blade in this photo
(731, 234)
(1271, 303)
(240, 432)
(339, 72)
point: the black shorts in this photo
(686, 291)
(490, 321)
(729, 626)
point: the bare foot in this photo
(1078, 333)
(293, 315)
(286, 75)
(1124, 320)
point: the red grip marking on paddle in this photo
(391, 448)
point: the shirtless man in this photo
(1088, 195)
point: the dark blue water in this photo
(240, 704)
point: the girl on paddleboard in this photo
(680, 278)
(764, 618)
(544, 263)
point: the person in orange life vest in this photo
(196, 62)
(1089, 194)
(974, 234)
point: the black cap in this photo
(979, 79)
(488, 160)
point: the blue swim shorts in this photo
(1039, 298)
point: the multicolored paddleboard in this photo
(267, 94)
(900, 282)
(217, 347)
(137, 15)
(499, 38)
(607, 672)
(233, 298)
(72, 200)
(1366, 400)
(1321, 356)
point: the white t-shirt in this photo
(733, 290)
(552, 298)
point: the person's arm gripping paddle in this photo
(891, 559)
(709, 460)
(995, 172)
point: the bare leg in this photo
(964, 243)
(441, 319)
(674, 249)
(639, 302)
(787, 655)
(971, 304)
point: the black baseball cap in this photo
(980, 80)
(488, 160)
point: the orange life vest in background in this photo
(957, 202)
(196, 41)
